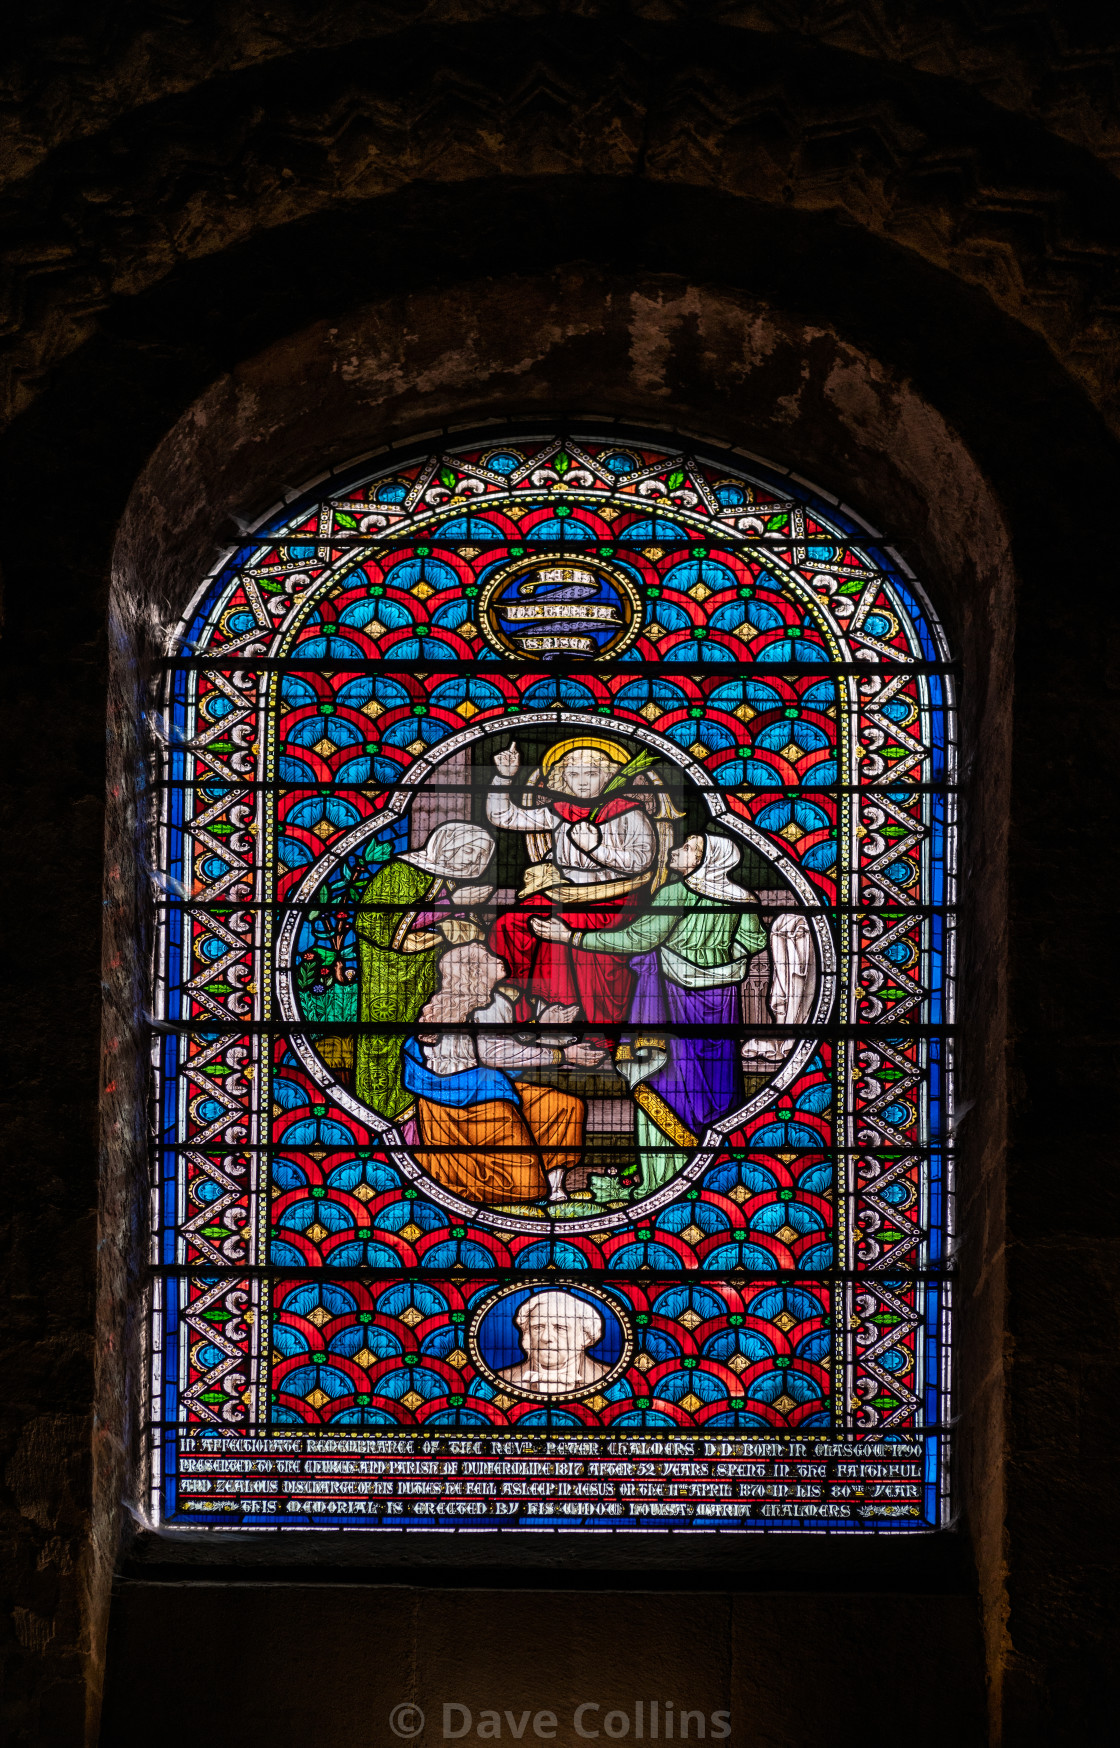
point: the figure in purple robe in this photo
(690, 951)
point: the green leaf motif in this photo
(634, 768)
(674, 482)
(447, 478)
(344, 519)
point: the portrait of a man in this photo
(557, 1331)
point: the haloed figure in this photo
(602, 856)
(688, 953)
(557, 1332)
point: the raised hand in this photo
(506, 763)
(585, 836)
(550, 928)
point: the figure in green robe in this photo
(411, 909)
(690, 952)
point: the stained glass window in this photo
(554, 999)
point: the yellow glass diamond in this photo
(411, 1399)
(318, 1317)
(689, 1318)
(651, 711)
(699, 591)
(363, 1357)
(317, 1232)
(325, 829)
(324, 748)
(412, 1232)
(745, 712)
(466, 709)
(653, 552)
(698, 750)
(738, 1362)
(692, 1234)
(787, 1234)
(792, 832)
(690, 1403)
(784, 1321)
(422, 589)
(643, 1362)
(739, 1194)
(412, 1317)
(784, 1404)
(596, 1402)
(457, 1358)
(373, 709)
(317, 1398)
(791, 751)
(364, 1192)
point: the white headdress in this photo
(710, 878)
(457, 851)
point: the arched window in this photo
(555, 986)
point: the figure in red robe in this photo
(603, 854)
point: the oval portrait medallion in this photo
(550, 1342)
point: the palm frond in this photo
(633, 768)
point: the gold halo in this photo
(580, 741)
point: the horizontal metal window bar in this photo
(219, 910)
(241, 662)
(547, 1149)
(365, 1149)
(312, 1029)
(409, 538)
(613, 1140)
(315, 791)
(205, 1273)
(219, 906)
(621, 1137)
(837, 1429)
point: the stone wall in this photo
(878, 244)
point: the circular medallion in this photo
(528, 1127)
(549, 1343)
(566, 605)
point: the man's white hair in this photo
(563, 1303)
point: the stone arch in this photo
(847, 123)
(654, 350)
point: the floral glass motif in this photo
(554, 985)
